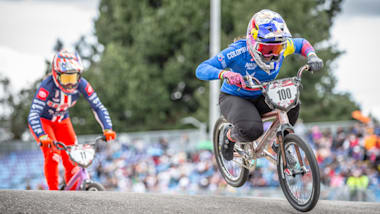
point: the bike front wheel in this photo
(94, 186)
(300, 179)
(232, 171)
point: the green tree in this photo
(152, 49)
(5, 93)
(143, 67)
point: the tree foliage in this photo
(153, 47)
(143, 67)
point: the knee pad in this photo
(249, 130)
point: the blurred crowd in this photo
(348, 158)
(136, 167)
(157, 168)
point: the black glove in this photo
(314, 62)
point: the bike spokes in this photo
(233, 171)
(298, 178)
(233, 167)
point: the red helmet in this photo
(67, 69)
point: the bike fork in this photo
(280, 138)
(79, 178)
(85, 179)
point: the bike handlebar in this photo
(62, 146)
(254, 83)
(301, 70)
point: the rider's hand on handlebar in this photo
(234, 78)
(109, 134)
(46, 141)
(314, 62)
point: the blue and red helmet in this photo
(267, 36)
(67, 69)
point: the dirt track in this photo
(14, 201)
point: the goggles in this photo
(270, 49)
(69, 79)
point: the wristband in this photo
(220, 76)
(311, 53)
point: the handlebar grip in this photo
(60, 146)
(40, 145)
(101, 138)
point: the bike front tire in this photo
(311, 174)
(94, 186)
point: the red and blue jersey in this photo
(238, 59)
(52, 103)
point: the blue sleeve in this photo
(39, 103)
(302, 46)
(211, 68)
(297, 45)
(100, 112)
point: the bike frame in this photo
(279, 126)
(79, 178)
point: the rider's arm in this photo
(213, 68)
(100, 112)
(37, 108)
(299, 46)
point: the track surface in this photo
(17, 201)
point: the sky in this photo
(30, 29)
(356, 31)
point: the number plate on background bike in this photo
(82, 154)
(282, 94)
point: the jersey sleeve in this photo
(299, 46)
(100, 112)
(213, 67)
(36, 110)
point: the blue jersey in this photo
(51, 103)
(238, 59)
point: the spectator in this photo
(358, 185)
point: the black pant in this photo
(245, 115)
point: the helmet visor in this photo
(271, 49)
(70, 79)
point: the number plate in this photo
(282, 94)
(82, 154)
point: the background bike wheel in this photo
(233, 173)
(302, 190)
(94, 187)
